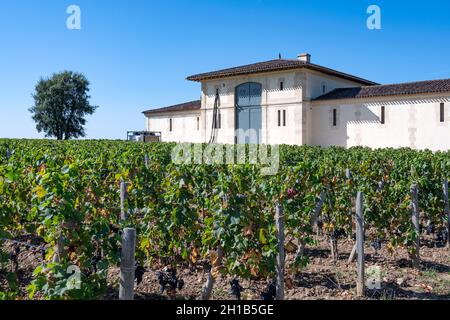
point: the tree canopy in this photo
(61, 104)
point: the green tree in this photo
(61, 104)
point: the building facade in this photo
(297, 102)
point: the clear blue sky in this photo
(138, 53)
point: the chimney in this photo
(305, 57)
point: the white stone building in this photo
(300, 103)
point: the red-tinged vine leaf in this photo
(254, 271)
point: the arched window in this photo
(249, 94)
(248, 112)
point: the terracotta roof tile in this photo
(408, 88)
(187, 106)
(275, 65)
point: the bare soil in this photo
(322, 279)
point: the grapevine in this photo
(67, 194)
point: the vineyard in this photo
(61, 202)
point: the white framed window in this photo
(324, 88)
(282, 118)
(281, 84)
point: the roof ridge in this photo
(178, 104)
(402, 88)
(403, 83)
(185, 106)
(275, 65)
(247, 65)
(392, 84)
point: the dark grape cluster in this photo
(431, 229)
(115, 229)
(333, 236)
(339, 233)
(104, 174)
(236, 288)
(441, 238)
(139, 274)
(291, 193)
(168, 280)
(320, 224)
(270, 292)
(95, 260)
(14, 255)
(376, 244)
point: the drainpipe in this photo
(267, 111)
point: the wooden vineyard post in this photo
(447, 210)
(279, 220)
(123, 197)
(380, 186)
(333, 243)
(333, 247)
(415, 221)
(127, 265)
(352, 255)
(317, 211)
(348, 175)
(127, 260)
(208, 287)
(59, 250)
(313, 223)
(8, 153)
(146, 161)
(360, 285)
